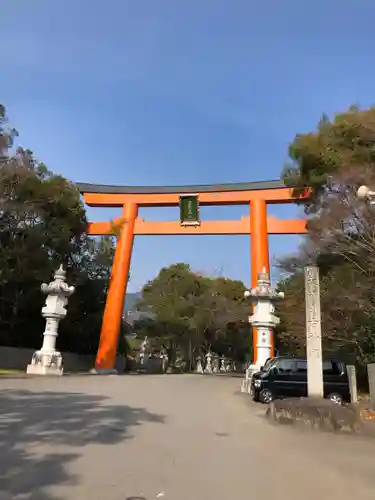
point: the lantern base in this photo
(109, 371)
(44, 370)
(246, 382)
(46, 362)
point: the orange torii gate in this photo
(257, 195)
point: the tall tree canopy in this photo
(42, 225)
(334, 161)
(193, 312)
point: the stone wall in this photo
(14, 358)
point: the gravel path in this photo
(178, 437)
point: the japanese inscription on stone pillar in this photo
(313, 332)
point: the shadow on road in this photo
(36, 428)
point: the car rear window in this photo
(285, 365)
(331, 368)
(301, 366)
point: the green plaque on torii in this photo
(189, 210)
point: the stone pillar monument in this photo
(263, 319)
(48, 361)
(313, 333)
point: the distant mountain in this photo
(130, 301)
(131, 314)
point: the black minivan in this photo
(286, 377)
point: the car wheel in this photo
(265, 396)
(255, 397)
(335, 398)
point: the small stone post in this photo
(142, 351)
(371, 383)
(216, 364)
(164, 361)
(352, 377)
(48, 361)
(313, 333)
(264, 320)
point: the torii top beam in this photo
(273, 192)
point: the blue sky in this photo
(149, 92)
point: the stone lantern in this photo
(264, 320)
(142, 351)
(48, 361)
(208, 367)
(199, 367)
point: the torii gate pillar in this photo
(109, 337)
(259, 255)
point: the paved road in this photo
(180, 437)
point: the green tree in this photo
(42, 225)
(195, 312)
(334, 161)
